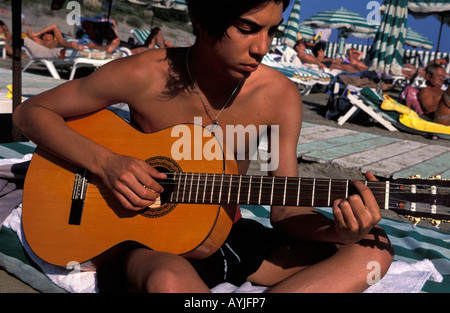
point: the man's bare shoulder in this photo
(276, 82)
(278, 92)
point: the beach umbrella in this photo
(413, 38)
(306, 32)
(417, 40)
(387, 51)
(439, 8)
(292, 27)
(341, 19)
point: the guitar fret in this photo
(249, 189)
(229, 188)
(313, 192)
(329, 192)
(204, 189)
(239, 189)
(260, 190)
(271, 193)
(198, 185)
(178, 189)
(386, 200)
(346, 189)
(284, 193)
(190, 188)
(212, 188)
(298, 191)
(220, 192)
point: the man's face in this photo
(240, 51)
(437, 79)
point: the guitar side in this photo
(191, 230)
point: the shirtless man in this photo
(442, 114)
(51, 37)
(304, 251)
(430, 96)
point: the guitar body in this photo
(191, 230)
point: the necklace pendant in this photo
(215, 125)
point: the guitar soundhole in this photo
(162, 206)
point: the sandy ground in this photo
(313, 113)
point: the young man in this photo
(220, 79)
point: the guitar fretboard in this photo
(264, 190)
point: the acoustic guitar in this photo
(69, 216)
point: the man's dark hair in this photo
(317, 47)
(217, 15)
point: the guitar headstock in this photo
(421, 199)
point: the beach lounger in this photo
(359, 105)
(392, 115)
(303, 79)
(421, 261)
(73, 60)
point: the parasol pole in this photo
(16, 7)
(439, 38)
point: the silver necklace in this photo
(211, 114)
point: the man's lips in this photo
(251, 67)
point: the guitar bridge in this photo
(78, 196)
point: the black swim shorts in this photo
(247, 245)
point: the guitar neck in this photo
(263, 190)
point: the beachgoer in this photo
(411, 72)
(220, 79)
(430, 96)
(442, 114)
(355, 64)
(154, 39)
(300, 48)
(101, 35)
(6, 36)
(51, 37)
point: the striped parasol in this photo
(292, 27)
(413, 38)
(340, 18)
(388, 48)
(439, 8)
(306, 32)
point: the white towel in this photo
(70, 279)
(406, 278)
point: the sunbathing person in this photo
(442, 114)
(411, 72)
(51, 37)
(430, 96)
(355, 64)
(221, 80)
(6, 36)
(154, 39)
(101, 35)
(306, 58)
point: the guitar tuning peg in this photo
(435, 223)
(414, 220)
(417, 176)
(437, 177)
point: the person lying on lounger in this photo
(430, 96)
(220, 80)
(51, 37)
(154, 39)
(442, 114)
